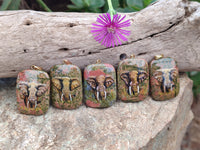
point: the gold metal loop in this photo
(67, 62)
(98, 61)
(156, 57)
(34, 67)
(132, 56)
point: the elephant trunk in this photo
(134, 87)
(32, 98)
(66, 96)
(168, 86)
(101, 92)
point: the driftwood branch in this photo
(27, 37)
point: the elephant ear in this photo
(158, 76)
(142, 75)
(41, 89)
(125, 77)
(23, 88)
(173, 74)
(56, 83)
(74, 84)
(108, 81)
(92, 82)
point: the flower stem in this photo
(44, 6)
(111, 10)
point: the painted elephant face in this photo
(30, 92)
(132, 80)
(65, 85)
(165, 78)
(99, 85)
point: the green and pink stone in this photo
(99, 85)
(133, 79)
(164, 78)
(32, 89)
(66, 86)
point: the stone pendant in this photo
(164, 78)
(99, 85)
(32, 89)
(66, 86)
(133, 79)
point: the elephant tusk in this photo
(61, 97)
(28, 104)
(171, 87)
(129, 89)
(164, 88)
(105, 94)
(35, 104)
(97, 95)
(138, 89)
(70, 97)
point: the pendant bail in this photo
(67, 62)
(156, 57)
(132, 56)
(98, 61)
(34, 67)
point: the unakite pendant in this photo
(66, 86)
(164, 78)
(32, 89)
(99, 85)
(133, 79)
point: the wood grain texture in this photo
(28, 37)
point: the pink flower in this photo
(109, 33)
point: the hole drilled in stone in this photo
(122, 56)
(89, 53)
(25, 51)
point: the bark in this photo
(28, 37)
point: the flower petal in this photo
(121, 36)
(125, 32)
(98, 25)
(101, 21)
(109, 32)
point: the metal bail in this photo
(67, 62)
(132, 56)
(98, 61)
(156, 57)
(34, 67)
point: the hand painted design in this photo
(132, 80)
(166, 78)
(30, 93)
(65, 85)
(99, 84)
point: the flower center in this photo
(111, 29)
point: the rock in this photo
(191, 140)
(144, 125)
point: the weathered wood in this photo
(146, 125)
(27, 37)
